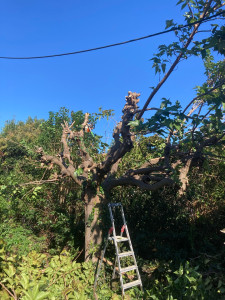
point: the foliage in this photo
(165, 226)
(52, 211)
(50, 134)
(41, 276)
(38, 276)
(20, 240)
(42, 209)
(166, 280)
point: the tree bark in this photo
(184, 177)
(93, 232)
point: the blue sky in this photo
(85, 81)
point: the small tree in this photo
(187, 133)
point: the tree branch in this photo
(64, 160)
(196, 26)
(5, 288)
(183, 176)
(127, 181)
(215, 7)
(212, 141)
(87, 161)
(66, 149)
(144, 171)
(162, 110)
(204, 94)
(40, 182)
(191, 11)
(123, 140)
(65, 171)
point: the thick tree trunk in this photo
(184, 177)
(93, 231)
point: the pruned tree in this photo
(187, 133)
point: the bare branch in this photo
(85, 120)
(40, 182)
(217, 6)
(87, 161)
(64, 160)
(152, 161)
(115, 166)
(141, 178)
(123, 140)
(66, 149)
(143, 171)
(127, 181)
(8, 291)
(65, 170)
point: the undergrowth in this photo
(37, 276)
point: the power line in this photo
(117, 44)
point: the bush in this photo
(38, 276)
(19, 240)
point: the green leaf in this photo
(203, 53)
(183, 6)
(179, 2)
(24, 281)
(42, 295)
(35, 291)
(10, 271)
(134, 123)
(169, 23)
(78, 172)
(163, 66)
(223, 105)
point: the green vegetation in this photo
(56, 177)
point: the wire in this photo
(117, 44)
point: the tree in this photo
(186, 134)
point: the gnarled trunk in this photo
(93, 231)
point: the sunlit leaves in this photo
(134, 123)
(38, 276)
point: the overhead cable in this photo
(120, 43)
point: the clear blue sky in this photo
(85, 81)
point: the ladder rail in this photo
(116, 246)
(130, 244)
(119, 255)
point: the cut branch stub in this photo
(122, 136)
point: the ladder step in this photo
(128, 253)
(131, 284)
(121, 239)
(114, 204)
(127, 269)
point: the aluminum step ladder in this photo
(117, 239)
